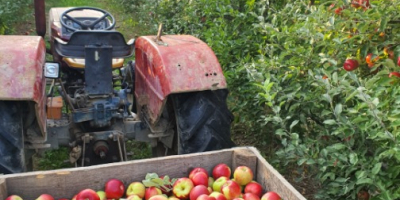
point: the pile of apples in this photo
(197, 186)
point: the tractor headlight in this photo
(51, 70)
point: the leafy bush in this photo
(283, 62)
(8, 11)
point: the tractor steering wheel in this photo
(86, 24)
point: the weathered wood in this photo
(244, 156)
(67, 182)
(272, 180)
(3, 189)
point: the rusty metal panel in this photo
(177, 64)
(21, 72)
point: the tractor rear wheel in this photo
(12, 159)
(202, 123)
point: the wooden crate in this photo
(65, 183)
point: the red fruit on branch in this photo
(350, 65)
(394, 74)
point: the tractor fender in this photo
(21, 64)
(174, 64)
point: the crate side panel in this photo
(66, 183)
(3, 189)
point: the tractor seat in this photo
(80, 63)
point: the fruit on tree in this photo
(231, 190)
(271, 196)
(200, 178)
(102, 195)
(87, 194)
(217, 195)
(398, 61)
(114, 189)
(136, 188)
(350, 64)
(45, 197)
(14, 197)
(250, 196)
(219, 182)
(197, 169)
(151, 191)
(243, 175)
(159, 197)
(360, 4)
(197, 191)
(363, 195)
(397, 74)
(221, 170)
(182, 187)
(254, 187)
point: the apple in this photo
(102, 195)
(210, 181)
(197, 169)
(271, 196)
(151, 191)
(133, 197)
(14, 197)
(114, 189)
(197, 191)
(221, 170)
(250, 196)
(200, 178)
(74, 198)
(217, 195)
(243, 175)
(238, 198)
(45, 197)
(87, 194)
(159, 197)
(210, 189)
(182, 187)
(205, 197)
(219, 182)
(230, 189)
(173, 198)
(136, 188)
(254, 187)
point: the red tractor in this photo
(87, 98)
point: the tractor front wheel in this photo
(202, 123)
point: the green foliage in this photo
(54, 159)
(8, 12)
(283, 62)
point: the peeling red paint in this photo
(21, 72)
(180, 63)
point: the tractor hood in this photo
(21, 67)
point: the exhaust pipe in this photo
(40, 17)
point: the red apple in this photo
(182, 188)
(159, 197)
(102, 195)
(205, 197)
(217, 195)
(151, 191)
(219, 182)
(255, 188)
(198, 190)
(231, 190)
(74, 198)
(271, 196)
(200, 178)
(14, 197)
(133, 197)
(45, 197)
(87, 194)
(243, 175)
(238, 198)
(136, 188)
(114, 189)
(250, 196)
(197, 169)
(221, 170)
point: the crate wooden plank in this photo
(67, 182)
(272, 180)
(3, 189)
